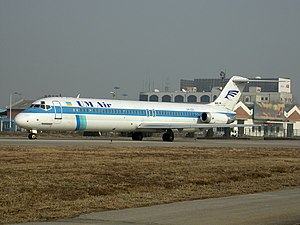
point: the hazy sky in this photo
(90, 46)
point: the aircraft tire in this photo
(32, 136)
(209, 133)
(168, 136)
(137, 136)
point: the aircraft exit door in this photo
(57, 110)
(151, 113)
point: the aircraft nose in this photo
(21, 120)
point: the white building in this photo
(267, 92)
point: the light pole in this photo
(10, 105)
(116, 95)
(113, 94)
(222, 76)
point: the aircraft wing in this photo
(190, 126)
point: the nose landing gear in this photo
(32, 134)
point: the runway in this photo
(279, 207)
(127, 142)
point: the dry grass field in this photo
(46, 183)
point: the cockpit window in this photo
(41, 106)
(35, 106)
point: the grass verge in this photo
(40, 184)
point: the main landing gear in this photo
(137, 136)
(168, 136)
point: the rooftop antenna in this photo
(148, 82)
(222, 77)
(167, 87)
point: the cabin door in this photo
(151, 113)
(57, 110)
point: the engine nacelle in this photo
(208, 117)
(205, 117)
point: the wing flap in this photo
(189, 126)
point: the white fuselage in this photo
(69, 114)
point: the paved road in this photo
(270, 208)
(86, 142)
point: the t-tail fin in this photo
(231, 93)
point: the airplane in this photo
(135, 117)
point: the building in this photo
(16, 107)
(207, 90)
(189, 95)
(270, 84)
(268, 103)
(278, 120)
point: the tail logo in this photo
(231, 93)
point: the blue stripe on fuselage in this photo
(77, 122)
(123, 112)
(80, 122)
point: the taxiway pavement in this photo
(127, 142)
(269, 208)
